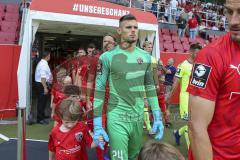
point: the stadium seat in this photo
(176, 39)
(12, 8)
(178, 47)
(168, 47)
(2, 8)
(167, 38)
(161, 47)
(11, 17)
(186, 47)
(9, 26)
(7, 38)
(173, 33)
(165, 31)
(191, 41)
(184, 40)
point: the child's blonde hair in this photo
(69, 109)
(159, 151)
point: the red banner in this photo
(9, 57)
(92, 8)
(179, 57)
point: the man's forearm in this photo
(174, 86)
(44, 83)
(200, 144)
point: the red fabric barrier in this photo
(9, 57)
(179, 57)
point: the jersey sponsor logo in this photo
(178, 71)
(235, 67)
(139, 60)
(99, 67)
(79, 136)
(200, 75)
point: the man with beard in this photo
(128, 71)
(214, 102)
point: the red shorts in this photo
(162, 103)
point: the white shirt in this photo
(173, 4)
(43, 71)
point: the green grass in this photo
(41, 132)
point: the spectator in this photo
(169, 71)
(214, 27)
(181, 23)
(173, 7)
(159, 151)
(221, 27)
(161, 10)
(192, 25)
(154, 7)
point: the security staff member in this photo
(43, 78)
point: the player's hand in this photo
(45, 90)
(89, 105)
(158, 127)
(99, 132)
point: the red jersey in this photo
(70, 145)
(193, 23)
(216, 76)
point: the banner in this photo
(9, 56)
(92, 8)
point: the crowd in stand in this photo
(170, 11)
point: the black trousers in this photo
(41, 102)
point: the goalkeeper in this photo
(128, 71)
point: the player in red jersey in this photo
(70, 139)
(214, 102)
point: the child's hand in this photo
(100, 139)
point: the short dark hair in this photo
(159, 151)
(91, 45)
(195, 46)
(72, 90)
(127, 17)
(45, 54)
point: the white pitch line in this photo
(5, 138)
(36, 140)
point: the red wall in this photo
(179, 57)
(9, 56)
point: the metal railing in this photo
(155, 8)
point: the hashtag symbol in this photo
(75, 7)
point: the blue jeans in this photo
(192, 33)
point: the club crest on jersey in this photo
(139, 60)
(200, 75)
(79, 136)
(99, 67)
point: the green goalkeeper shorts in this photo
(125, 139)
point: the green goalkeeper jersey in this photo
(129, 75)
